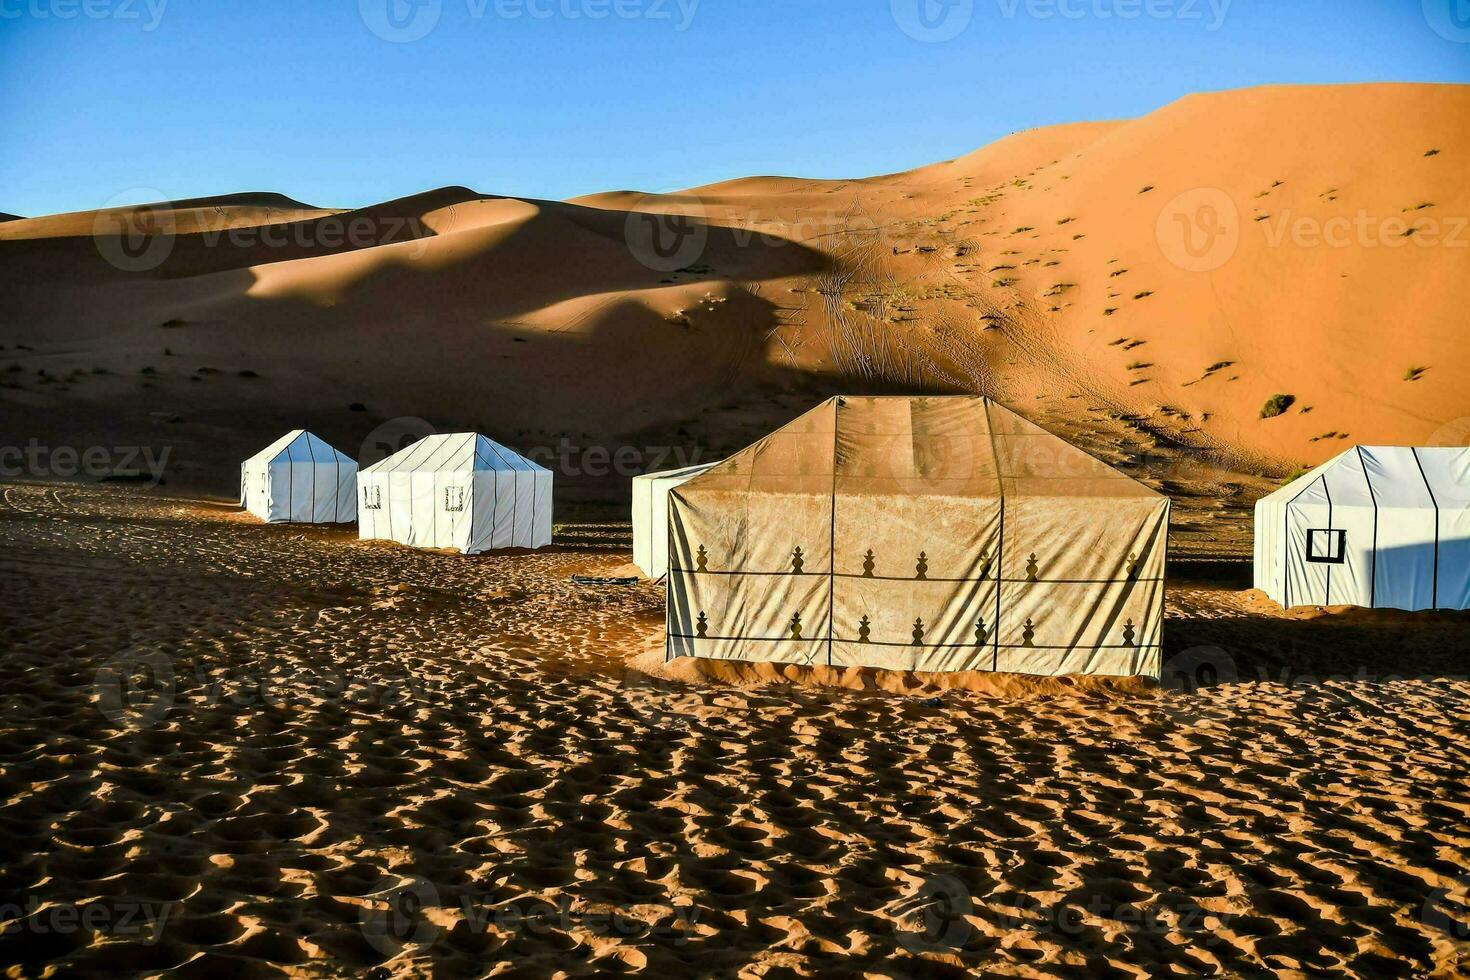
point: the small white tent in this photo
(651, 517)
(1377, 526)
(460, 491)
(299, 479)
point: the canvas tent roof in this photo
(455, 451)
(301, 446)
(918, 533)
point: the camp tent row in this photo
(1375, 526)
(460, 490)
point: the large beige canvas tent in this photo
(299, 479)
(1376, 526)
(651, 516)
(460, 491)
(924, 533)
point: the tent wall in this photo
(299, 479)
(1403, 512)
(650, 513)
(459, 491)
(900, 533)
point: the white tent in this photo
(651, 516)
(933, 534)
(1378, 526)
(299, 478)
(460, 491)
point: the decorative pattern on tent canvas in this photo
(927, 533)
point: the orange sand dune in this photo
(1143, 287)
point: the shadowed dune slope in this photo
(1144, 287)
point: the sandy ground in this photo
(232, 749)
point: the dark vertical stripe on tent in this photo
(311, 452)
(1328, 493)
(1373, 580)
(1434, 600)
(1000, 548)
(290, 481)
(832, 543)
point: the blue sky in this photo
(117, 101)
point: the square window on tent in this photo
(1326, 546)
(372, 498)
(454, 498)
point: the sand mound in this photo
(999, 686)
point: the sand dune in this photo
(1143, 287)
(319, 731)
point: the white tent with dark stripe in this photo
(460, 491)
(1378, 526)
(299, 479)
(651, 516)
